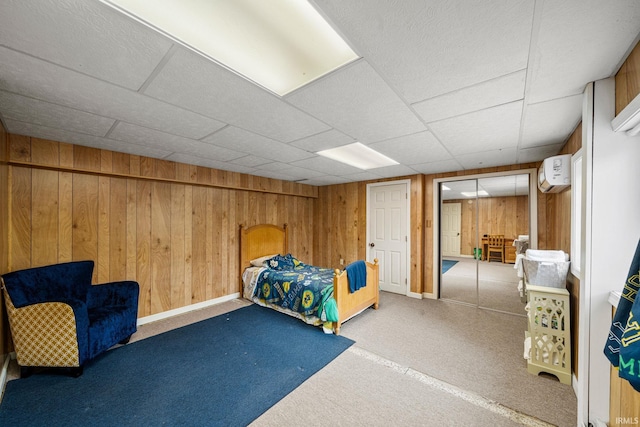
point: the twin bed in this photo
(266, 242)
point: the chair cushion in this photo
(108, 326)
(59, 282)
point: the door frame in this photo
(407, 184)
(533, 215)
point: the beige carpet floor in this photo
(416, 363)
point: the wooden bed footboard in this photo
(350, 304)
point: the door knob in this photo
(372, 244)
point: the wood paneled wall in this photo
(628, 80)
(171, 227)
(508, 216)
(624, 400)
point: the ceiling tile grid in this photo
(84, 36)
(197, 84)
(440, 86)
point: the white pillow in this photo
(258, 262)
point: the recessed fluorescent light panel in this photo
(359, 156)
(474, 194)
(280, 45)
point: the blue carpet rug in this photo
(223, 371)
(447, 264)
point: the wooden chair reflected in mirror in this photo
(495, 247)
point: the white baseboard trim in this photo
(574, 384)
(429, 295)
(170, 313)
(415, 295)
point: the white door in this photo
(451, 219)
(388, 234)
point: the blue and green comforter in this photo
(294, 285)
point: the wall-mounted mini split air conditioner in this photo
(554, 174)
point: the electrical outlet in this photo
(341, 261)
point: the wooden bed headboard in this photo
(261, 240)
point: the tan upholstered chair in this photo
(495, 247)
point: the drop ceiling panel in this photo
(437, 167)
(323, 141)
(153, 138)
(489, 129)
(29, 110)
(65, 87)
(430, 48)
(356, 101)
(581, 41)
(535, 154)
(395, 170)
(251, 161)
(209, 163)
(362, 176)
(327, 166)
(197, 84)
(486, 159)
(501, 90)
(250, 143)
(550, 122)
(413, 149)
(43, 132)
(296, 172)
(121, 51)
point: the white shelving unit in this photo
(549, 330)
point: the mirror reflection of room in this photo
(484, 224)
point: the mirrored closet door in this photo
(479, 221)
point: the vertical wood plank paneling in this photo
(19, 148)
(65, 217)
(87, 158)
(44, 217)
(118, 230)
(132, 230)
(85, 218)
(217, 212)
(188, 245)
(210, 230)
(160, 247)
(222, 248)
(180, 242)
(104, 210)
(45, 152)
(233, 255)
(621, 89)
(65, 152)
(178, 237)
(199, 245)
(143, 245)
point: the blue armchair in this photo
(58, 319)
